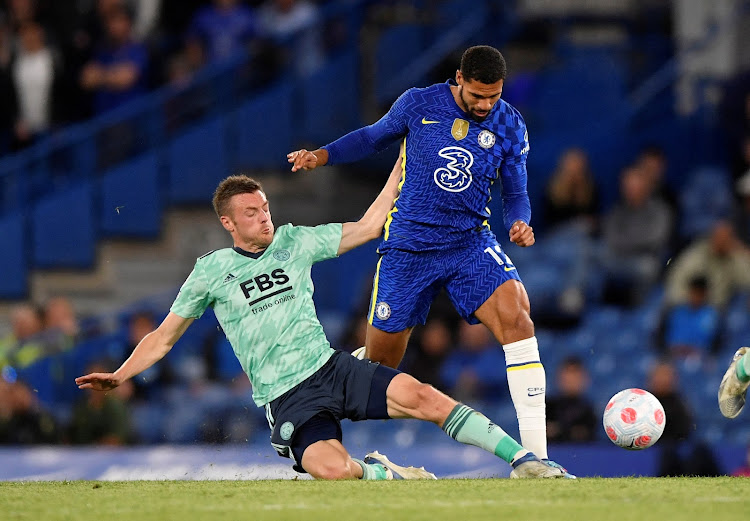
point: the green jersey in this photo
(264, 304)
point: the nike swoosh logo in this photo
(506, 268)
(536, 394)
(427, 121)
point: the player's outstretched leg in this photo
(408, 398)
(733, 387)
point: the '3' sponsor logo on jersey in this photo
(456, 175)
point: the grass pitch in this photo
(663, 499)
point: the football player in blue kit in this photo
(459, 137)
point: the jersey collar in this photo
(251, 254)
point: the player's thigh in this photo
(404, 286)
(506, 313)
(407, 397)
(319, 450)
(486, 287)
(386, 348)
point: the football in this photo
(634, 419)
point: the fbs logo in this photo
(258, 287)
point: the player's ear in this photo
(459, 77)
(226, 223)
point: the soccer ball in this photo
(634, 419)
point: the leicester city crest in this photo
(286, 431)
(281, 255)
(486, 139)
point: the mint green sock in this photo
(743, 368)
(371, 471)
(465, 425)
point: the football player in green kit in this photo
(261, 292)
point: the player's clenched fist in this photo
(522, 234)
(307, 160)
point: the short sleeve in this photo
(320, 242)
(193, 297)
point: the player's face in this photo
(250, 221)
(477, 98)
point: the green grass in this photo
(457, 500)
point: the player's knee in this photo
(331, 470)
(431, 402)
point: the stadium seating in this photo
(131, 199)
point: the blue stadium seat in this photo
(705, 198)
(264, 129)
(325, 114)
(13, 262)
(63, 229)
(131, 199)
(197, 162)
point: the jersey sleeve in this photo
(193, 297)
(366, 141)
(319, 242)
(516, 205)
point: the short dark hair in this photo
(484, 64)
(231, 186)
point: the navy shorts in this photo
(406, 283)
(344, 387)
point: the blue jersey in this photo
(451, 163)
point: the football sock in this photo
(372, 471)
(468, 426)
(743, 368)
(526, 381)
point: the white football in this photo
(634, 419)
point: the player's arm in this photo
(516, 204)
(150, 350)
(358, 144)
(370, 226)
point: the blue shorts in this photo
(406, 283)
(345, 387)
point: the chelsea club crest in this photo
(486, 139)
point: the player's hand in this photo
(522, 234)
(304, 160)
(98, 381)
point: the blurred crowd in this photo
(62, 62)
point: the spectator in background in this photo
(117, 74)
(681, 455)
(653, 163)
(23, 346)
(720, 258)
(570, 415)
(102, 418)
(61, 328)
(426, 358)
(281, 19)
(471, 372)
(34, 76)
(571, 196)
(636, 234)
(22, 420)
(158, 375)
(222, 29)
(741, 218)
(691, 329)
